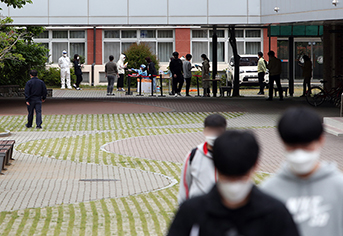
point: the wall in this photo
(136, 12)
(296, 11)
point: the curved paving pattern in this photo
(174, 147)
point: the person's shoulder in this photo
(194, 204)
(269, 202)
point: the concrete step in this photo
(336, 122)
(333, 130)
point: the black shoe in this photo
(269, 99)
(187, 95)
(38, 127)
(74, 85)
(28, 126)
(260, 93)
(179, 94)
(302, 96)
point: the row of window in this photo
(161, 42)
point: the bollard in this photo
(161, 86)
(140, 86)
(128, 86)
(152, 86)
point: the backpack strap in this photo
(191, 157)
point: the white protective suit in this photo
(64, 64)
(121, 64)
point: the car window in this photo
(246, 61)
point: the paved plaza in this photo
(111, 165)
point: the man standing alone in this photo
(35, 94)
(274, 67)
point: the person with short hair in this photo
(151, 71)
(261, 70)
(274, 67)
(234, 206)
(311, 189)
(35, 94)
(198, 173)
(122, 66)
(187, 72)
(78, 71)
(307, 74)
(111, 71)
(175, 66)
(64, 64)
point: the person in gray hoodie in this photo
(198, 173)
(311, 189)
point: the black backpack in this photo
(191, 157)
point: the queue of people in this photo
(218, 195)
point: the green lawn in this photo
(144, 214)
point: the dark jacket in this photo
(77, 67)
(35, 89)
(152, 69)
(111, 68)
(262, 216)
(274, 66)
(175, 66)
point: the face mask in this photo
(78, 58)
(210, 140)
(235, 191)
(301, 161)
(64, 55)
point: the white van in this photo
(248, 75)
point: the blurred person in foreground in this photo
(234, 206)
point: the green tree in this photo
(135, 56)
(15, 3)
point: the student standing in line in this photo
(261, 70)
(274, 67)
(311, 189)
(152, 71)
(78, 72)
(307, 74)
(111, 71)
(205, 73)
(121, 71)
(234, 206)
(175, 67)
(198, 174)
(187, 72)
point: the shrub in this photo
(135, 56)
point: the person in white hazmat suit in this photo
(64, 64)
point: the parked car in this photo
(248, 75)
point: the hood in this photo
(121, 58)
(203, 149)
(325, 170)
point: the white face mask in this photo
(78, 58)
(64, 55)
(235, 191)
(301, 161)
(210, 140)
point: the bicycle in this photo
(317, 95)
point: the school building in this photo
(97, 29)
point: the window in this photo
(220, 51)
(77, 48)
(199, 48)
(43, 35)
(199, 34)
(60, 34)
(253, 47)
(129, 34)
(77, 34)
(240, 49)
(253, 33)
(111, 48)
(238, 33)
(57, 49)
(165, 34)
(111, 34)
(125, 46)
(152, 46)
(148, 33)
(220, 33)
(165, 51)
